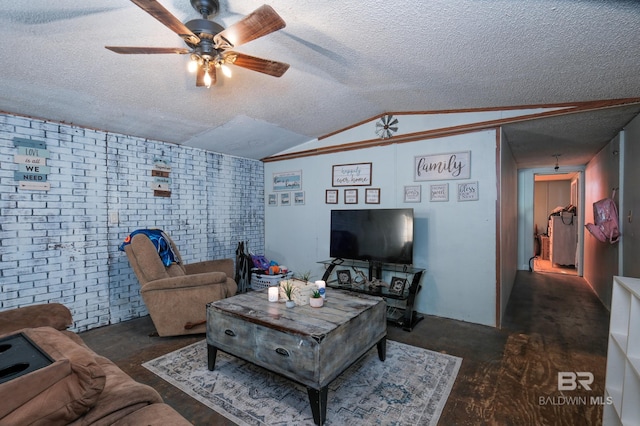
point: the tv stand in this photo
(378, 270)
(397, 284)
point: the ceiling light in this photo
(193, 65)
(225, 70)
(207, 79)
(557, 167)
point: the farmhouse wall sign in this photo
(32, 164)
(287, 181)
(454, 165)
(351, 174)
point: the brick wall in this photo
(61, 245)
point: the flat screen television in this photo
(374, 235)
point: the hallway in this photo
(553, 323)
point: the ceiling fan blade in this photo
(155, 9)
(265, 66)
(395, 121)
(148, 50)
(262, 21)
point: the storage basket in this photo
(262, 281)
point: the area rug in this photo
(410, 387)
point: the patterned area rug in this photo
(410, 388)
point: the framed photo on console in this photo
(344, 277)
(397, 285)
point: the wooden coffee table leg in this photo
(318, 400)
(212, 351)
(382, 349)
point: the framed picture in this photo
(331, 196)
(468, 191)
(439, 192)
(285, 199)
(344, 277)
(298, 198)
(372, 196)
(412, 193)
(351, 174)
(287, 181)
(351, 196)
(397, 285)
(272, 200)
(453, 165)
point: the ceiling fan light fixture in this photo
(207, 79)
(193, 64)
(208, 40)
(226, 70)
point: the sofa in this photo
(78, 386)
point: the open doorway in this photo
(556, 229)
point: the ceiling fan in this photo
(209, 42)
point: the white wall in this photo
(61, 246)
(454, 241)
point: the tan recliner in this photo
(176, 296)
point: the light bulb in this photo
(207, 79)
(192, 66)
(225, 70)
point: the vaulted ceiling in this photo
(350, 61)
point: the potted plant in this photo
(288, 288)
(316, 300)
(305, 276)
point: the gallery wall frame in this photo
(356, 174)
(452, 165)
(351, 196)
(468, 191)
(372, 196)
(287, 181)
(331, 196)
(439, 192)
(412, 193)
(298, 198)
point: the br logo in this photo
(568, 380)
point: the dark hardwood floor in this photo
(554, 323)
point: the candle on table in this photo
(273, 293)
(321, 287)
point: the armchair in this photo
(176, 296)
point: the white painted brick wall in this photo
(58, 246)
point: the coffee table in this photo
(311, 346)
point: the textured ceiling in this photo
(350, 61)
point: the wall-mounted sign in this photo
(439, 192)
(412, 193)
(455, 165)
(287, 181)
(351, 174)
(32, 169)
(468, 191)
(161, 184)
